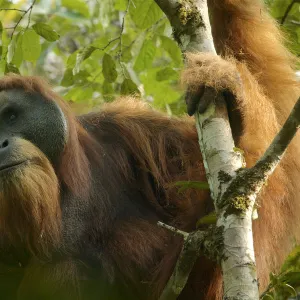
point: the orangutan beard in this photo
(30, 215)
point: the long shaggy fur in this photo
(165, 147)
(75, 170)
(29, 203)
(266, 90)
(131, 147)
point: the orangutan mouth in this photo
(10, 166)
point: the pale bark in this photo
(233, 189)
(217, 147)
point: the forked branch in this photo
(233, 189)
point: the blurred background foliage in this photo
(92, 51)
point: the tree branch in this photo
(119, 54)
(274, 153)
(233, 189)
(186, 260)
(287, 11)
(190, 23)
(13, 9)
(195, 243)
(192, 31)
(28, 10)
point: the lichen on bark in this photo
(188, 11)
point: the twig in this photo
(30, 11)
(271, 158)
(109, 43)
(21, 18)
(173, 229)
(126, 47)
(295, 22)
(190, 252)
(118, 38)
(15, 9)
(152, 27)
(4, 56)
(287, 11)
(123, 24)
(276, 150)
(119, 55)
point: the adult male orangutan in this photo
(80, 197)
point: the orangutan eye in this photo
(10, 115)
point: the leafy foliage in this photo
(287, 13)
(287, 283)
(95, 49)
(101, 49)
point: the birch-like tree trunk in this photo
(217, 147)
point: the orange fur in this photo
(75, 170)
(29, 202)
(250, 41)
(167, 149)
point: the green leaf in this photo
(81, 77)
(292, 278)
(184, 185)
(298, 34)
(166, 73)
(290, 289)
(78, 6)
(268, 297)
(11, 49)
(292, 260)
(68, 78)
(128, 87)
(125, 71)
(278, 8)
(81, 56)
(72, 59)
(107, 91)
(172, 48)
(145, 57)
(145, 13)
(1, 30)
(11, 68)
(31, 47)
(207, 220)
(274, 279)
(46, 31)
(162, 92)
(120, 5)
(5, 43)
(15, 50)
(126, 55)
(109, 68)
(96, 10)
(80, 94)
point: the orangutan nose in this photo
(4, 145)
